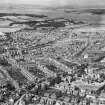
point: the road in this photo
(25, 72)
(9, 77)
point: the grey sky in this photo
(83, 3)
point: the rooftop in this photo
(86, 86)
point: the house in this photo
(101, 99)
(2, 36)
(89, 88)
(103, 49)
(58, 103)
(103, 60)
(86, 56)
(13, 51)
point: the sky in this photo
(81, 3)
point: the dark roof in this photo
(13, 48)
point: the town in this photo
(56, 61)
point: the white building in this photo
(2, 35)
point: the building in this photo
(2, 36)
